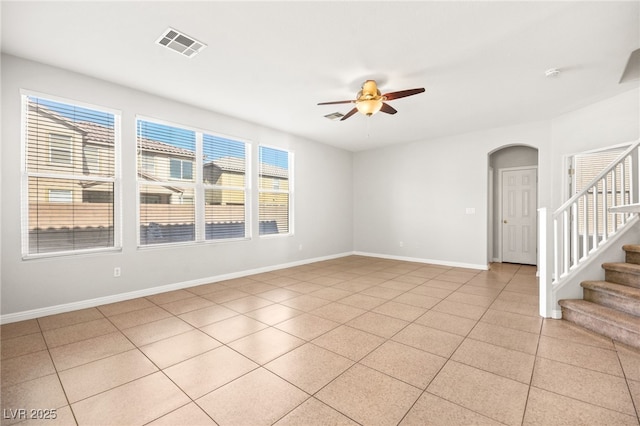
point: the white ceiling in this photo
(482, 63)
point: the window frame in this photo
(290, 191)
(197, 184)
(115, 179)
(246, 189)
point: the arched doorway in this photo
(512, 204)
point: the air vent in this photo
(334, 116)
(181, 43)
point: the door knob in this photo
(504, 221)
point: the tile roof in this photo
(96, 132)
(235, 164)
(229, 164)
(165, 148)
(275, 171)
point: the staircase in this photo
(611, 307)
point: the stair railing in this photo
(584, 223)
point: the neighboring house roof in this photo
(275, 171)
(56, 117)
(91, 132)
(96, 132)
(164, 148)
(229, 164)
(235, 164)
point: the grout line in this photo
(345, 266)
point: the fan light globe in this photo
(369, 107)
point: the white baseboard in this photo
(420, 260)
(91, 303)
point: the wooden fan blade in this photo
(388, 109)
(336, 102)
(349, 114)
(403, 93)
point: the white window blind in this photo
(192, 185)
(275, 190)
(70, 157)
(166, 183)
(225, 187)
(586, 168)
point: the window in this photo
(197, 188)
(587, 167)
(60, 149)
(148, 163)
(181, 169)
(89, 196)
(60, 196)
(275, 191)
(92, 159)
(225, 188)
(65, 147)
(165, 216)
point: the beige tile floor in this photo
(354, 340)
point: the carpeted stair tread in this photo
(622, 273)
(610, 316)
(630, 268)
(620, 290)
(631, 248)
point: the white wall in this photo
(418, 193)
(323, 203)
(602, 124)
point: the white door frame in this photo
(500, 218)
(490, 257)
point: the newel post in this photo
(545, 265)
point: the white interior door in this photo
(519, 235)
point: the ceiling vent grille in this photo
(180, 43)
(334, 116)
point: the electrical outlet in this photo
(117, 271)
(300, 247)
(401, 243)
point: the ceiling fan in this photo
(369, 100)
